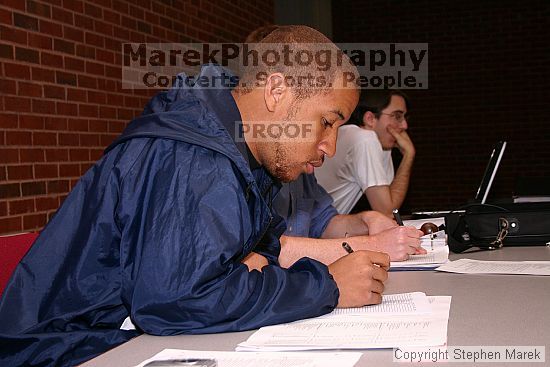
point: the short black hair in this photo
(375, 101)
(308, 79)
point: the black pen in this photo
(347, 247)
(397, 217)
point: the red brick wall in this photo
(61, 100)
(488, 80)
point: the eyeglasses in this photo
(398, 116)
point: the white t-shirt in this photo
(359, 163)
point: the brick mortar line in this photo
(14, 61)
(113, 36)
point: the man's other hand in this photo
(399, 242)
(255, 261)
(403, 141)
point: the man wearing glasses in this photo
(363, 162)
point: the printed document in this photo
(234, 359)
(438, 254)
(468, 266)
(354, 332)
(392, 304)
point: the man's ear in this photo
(369, 119)
(275, 91)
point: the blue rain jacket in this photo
(156, 230)
(305, 206)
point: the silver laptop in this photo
(486, 181)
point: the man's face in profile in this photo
(311, 127)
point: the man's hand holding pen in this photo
(360, 276)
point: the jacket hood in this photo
(181, 113)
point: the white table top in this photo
(499, 310)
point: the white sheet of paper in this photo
(356, 332)
(439, 239)
(417, 223)
(436, 256)
(469, 266)
(255, 359)
(414, 303)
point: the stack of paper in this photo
(400, 321)
(414, 303)
(532, 199)
(234, 359)
(399, 304)
(468, 266)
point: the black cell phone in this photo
(195, 362)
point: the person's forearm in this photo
(352, 224)
(324, 250)
(400, 183)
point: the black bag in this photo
(489, 227)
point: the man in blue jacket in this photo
(316, 230)
(157, 230)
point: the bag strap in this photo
(501, 235)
